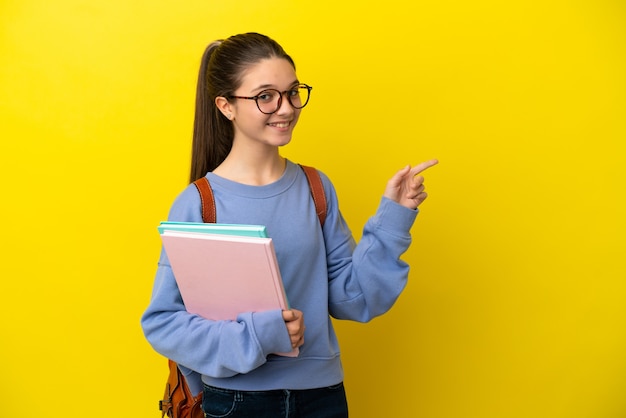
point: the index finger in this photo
(423, 166)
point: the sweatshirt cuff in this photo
(394, 217)
(271, 331)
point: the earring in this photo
(229, 116)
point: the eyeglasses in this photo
(269, 101)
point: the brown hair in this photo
(221, 70)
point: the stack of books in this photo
(223, 270)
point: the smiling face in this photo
(249, 123)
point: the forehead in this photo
(268, 73)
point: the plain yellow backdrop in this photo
(516, 302)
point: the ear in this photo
(224, 106)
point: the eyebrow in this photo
(271, 86)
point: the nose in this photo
(285, 107)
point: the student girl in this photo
(249, 99)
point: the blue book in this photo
(214, 228)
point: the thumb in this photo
(289, 315)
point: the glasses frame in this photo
(280, 97)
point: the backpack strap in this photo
(312, 176)
(207, 200)
(317, 191)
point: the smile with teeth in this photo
(280, 124)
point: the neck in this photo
(254, 169)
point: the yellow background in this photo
(516, 303)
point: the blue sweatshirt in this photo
(325, 274)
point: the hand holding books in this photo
(294, 319)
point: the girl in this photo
(249, 100)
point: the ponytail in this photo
(212, 135)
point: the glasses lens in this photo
(268, 101)
(299, 96)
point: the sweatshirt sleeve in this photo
(365, 279)
(213, 348)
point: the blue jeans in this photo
(328, 402)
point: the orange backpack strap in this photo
(207, 200)
(312, 176)
(317, 191)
